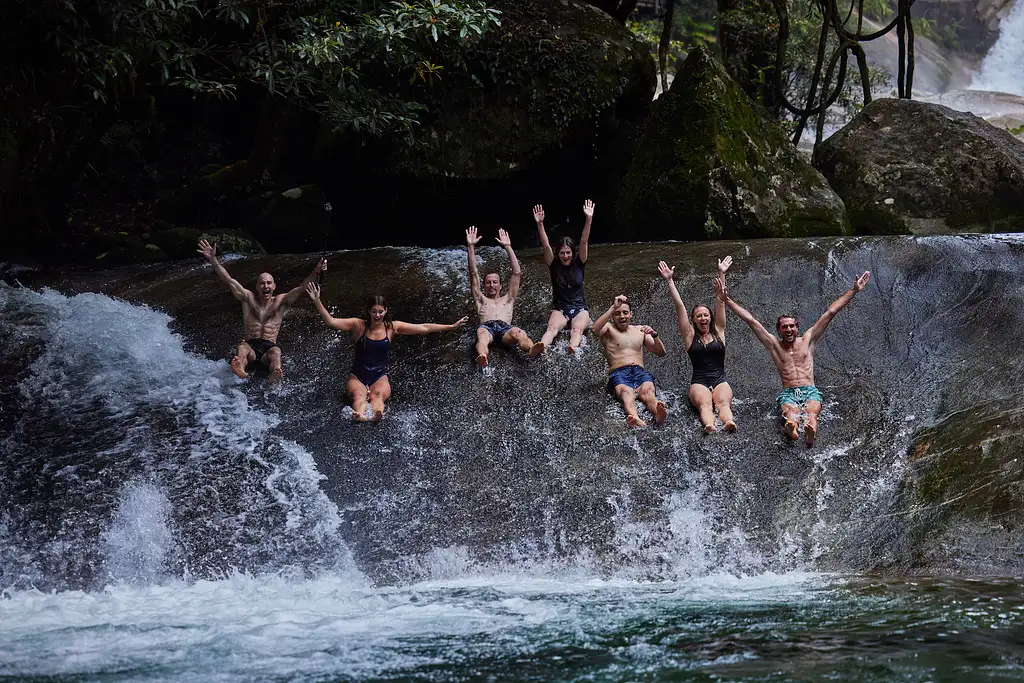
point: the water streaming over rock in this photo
(1002, 70)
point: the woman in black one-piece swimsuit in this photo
(703, 334)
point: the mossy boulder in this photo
(549, 77)
(709, 165)
(294, 221)
(911, 167)
(964, 491)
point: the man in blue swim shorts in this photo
(793, 354)
(493, 307)
(624, 346)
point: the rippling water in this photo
(795, 627)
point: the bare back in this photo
(795, 362)
(262, 319)
(623, 348)
(499, 308)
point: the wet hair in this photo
(378, 300)
(784, 316)
(565, 242)
(711, 324)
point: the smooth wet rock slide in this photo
(125, 395)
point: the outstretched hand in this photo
(862, 282)
(503, 239)
(207, 250)
(461, 321)
(721, 291)
(724, 263)
(313, 290)
(538, 214)
(666, 272)
(471, 236)
(588, 209)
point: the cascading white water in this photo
(1003, 67)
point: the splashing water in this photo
(1003, 67)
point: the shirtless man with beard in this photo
(262, 314)
(493, 307)
(624, 346)
(793, 355)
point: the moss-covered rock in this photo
(294, 221)
(546, 78)
(708, 165)
(232, 242)
(903, 166)
(965, 490)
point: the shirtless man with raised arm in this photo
(494, 308)
(262, 314)
(624, 346)
(793, 354)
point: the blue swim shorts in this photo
(630, 375)
(497, 328)
(798, 396)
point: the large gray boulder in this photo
(909, 167)
(709, 165)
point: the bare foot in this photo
(377, 415)
(810, 433)
(634, 421)
(730, 427)
(573, 350)
(481, 361)
(537, 349)
(660, 413)
(358, 417)
(709, 429)
(238, 367)
(791, 430)
(276, 374)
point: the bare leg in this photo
(579, 326)
(791, 414)
(272, 359)
(722, 397)
(556, 323)
(645, 392)
(519, 337)
(700, 398)
(628, 398)
(243, 356)
(811, 409)
(379, 392)
(357, 395)
(483, 343)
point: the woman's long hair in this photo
(378, 300)
(711, 324)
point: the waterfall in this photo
(1003, 67)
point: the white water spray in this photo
(1003, 67)
(139, 539)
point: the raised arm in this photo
(427, 328)
(819, 327)
(474, 279)
(763, 335)
(600, 323)
(517, 272)
(682, 319)
(293, 295)
(652, 342)
(538, 217)
(209, 252)
(588, 217)
(343, 324)
(723, 266)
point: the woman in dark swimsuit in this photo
(370, 365)
(703, 335)
(568, 307)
